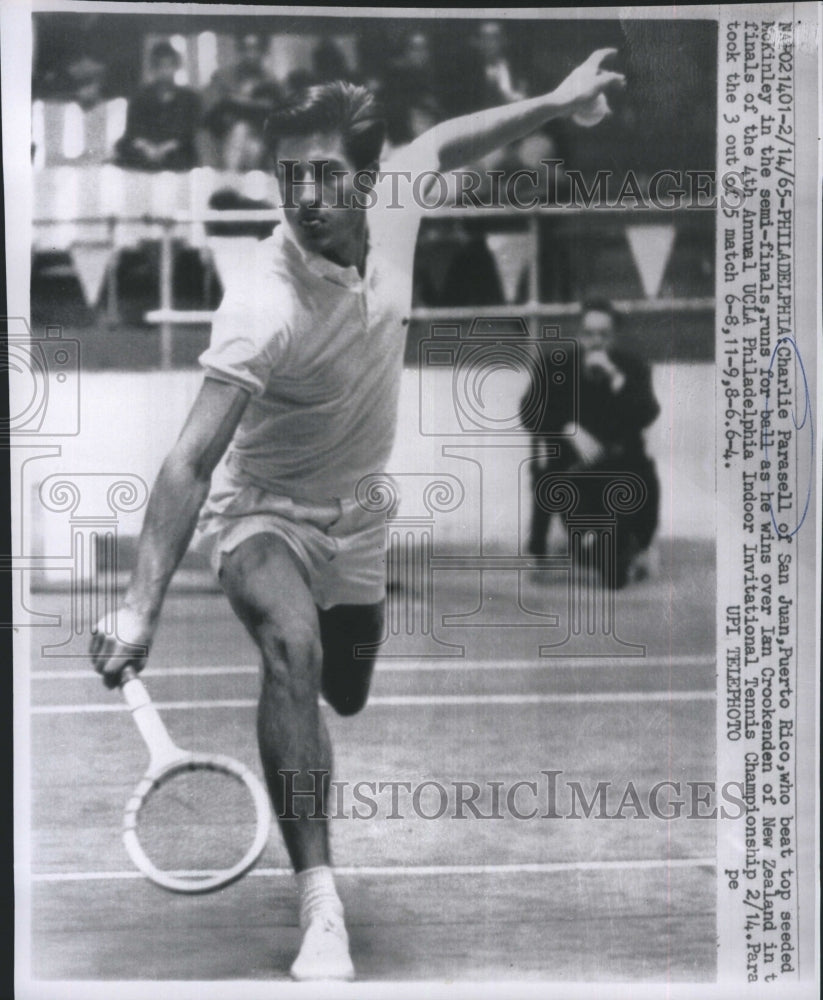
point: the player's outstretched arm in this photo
(464, 140)
(178, 494)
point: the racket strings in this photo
(197, 822)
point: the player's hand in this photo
(113, 649)
(580, 91)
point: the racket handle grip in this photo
(146, 717)
(128, 673)
(133, 690)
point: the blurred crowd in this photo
(168, 125)
(154, 103)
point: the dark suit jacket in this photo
(615, 419)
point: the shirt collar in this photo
(322, 266)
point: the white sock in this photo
(317, 894)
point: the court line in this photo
(409, 699)
(539, 868)
(448, 663)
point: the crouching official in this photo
(615, 405)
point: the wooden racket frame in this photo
(166, 760)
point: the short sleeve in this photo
(395, 218)
(249, 336)
(401, 176)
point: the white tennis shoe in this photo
(324, 953)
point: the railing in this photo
(166, 316)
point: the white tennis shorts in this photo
(339, 546)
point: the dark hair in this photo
(163, 50)
(341, 107)
(601, 304)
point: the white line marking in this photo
(547, 663)
(545, 868)
(412, 699)
(156, 672)
(454, 663)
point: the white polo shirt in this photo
(321, 351)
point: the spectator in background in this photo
(405, 123)
(500, 86)
(471, 278)
(408, 91)
(236, 103)
(162, 119)
(329, 63)
(297, 81)
(482, 75)
(492, 266)
(85, 77)
(84, 124)
(542, 152)
(615, 405)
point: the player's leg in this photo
(269, 594)
(346, 675)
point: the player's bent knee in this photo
(345, 702)
(291, 657)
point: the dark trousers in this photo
(634, 530)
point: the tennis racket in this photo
(196, 822)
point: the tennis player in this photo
(298, 403)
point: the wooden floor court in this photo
(549, 899)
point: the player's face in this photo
(596, 331)
(320, 204)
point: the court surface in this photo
(555, 899)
